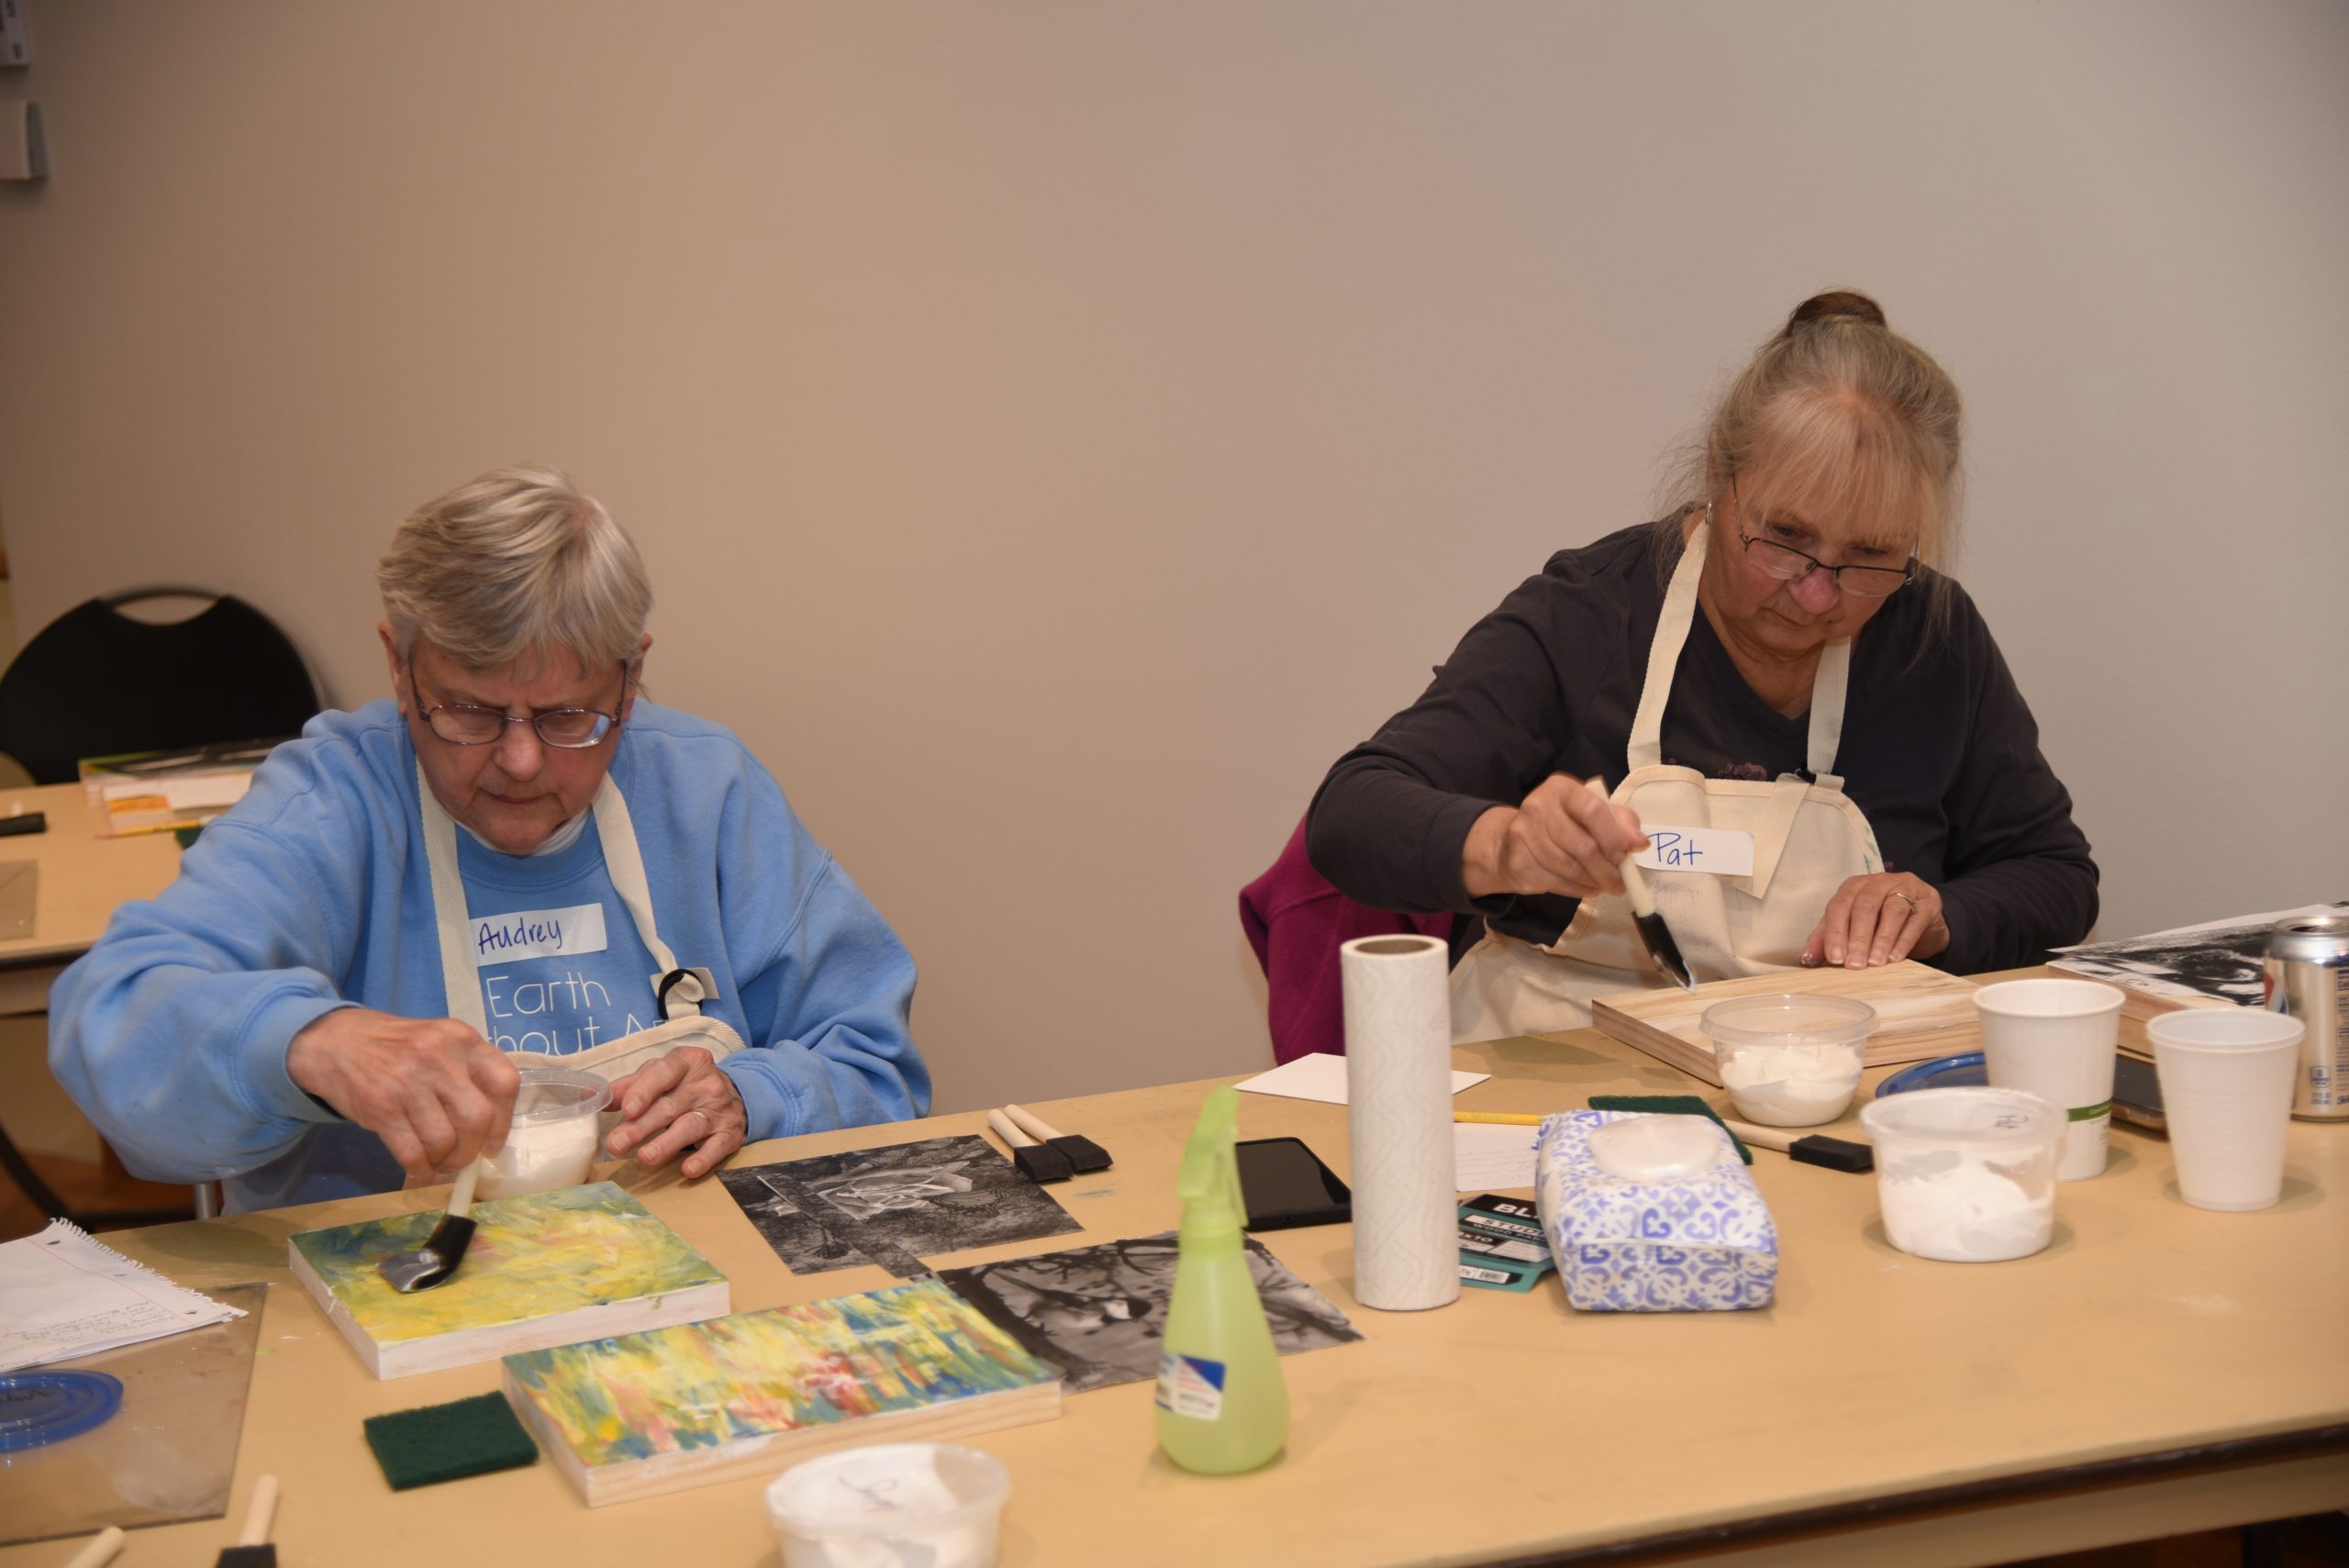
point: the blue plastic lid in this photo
(1960, 1071)
(38, 1408)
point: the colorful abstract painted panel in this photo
(531, 1258)
(756, 1375)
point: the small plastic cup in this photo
(2227, 1076)
(1965, 1176)
(1790, 1059)
(891, 1506)
(555, 1135)
(2058, 1040)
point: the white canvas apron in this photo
(1808, 838)
(678, 992)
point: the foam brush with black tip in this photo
(1084, 1154)
(434, 1262)
(252, 1549)
(1654, 932)
(1813, 1149)
(1040, 1162)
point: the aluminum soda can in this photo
(2308, 977)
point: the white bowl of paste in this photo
(1790, 1059)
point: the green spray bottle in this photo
(1222, 1404)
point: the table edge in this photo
(2128, 1469)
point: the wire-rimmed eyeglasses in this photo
(565, 728)
(1787, 563)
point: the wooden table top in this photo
(1884, 1406)
(84, 878)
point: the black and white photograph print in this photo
(1097, 1315)
(894, 1205)
(2226, 960)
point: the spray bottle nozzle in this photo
(1208, 1183)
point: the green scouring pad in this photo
(444, 1442)
(1669, 1105)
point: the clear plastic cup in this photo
(891, 1506)
(555, 1136)
(2058, 1040)
(2227, 1076)
(1965, 1176)
(1790, 1059)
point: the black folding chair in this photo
(97, 682)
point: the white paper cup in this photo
(2057, 1038)
(2226, 1075)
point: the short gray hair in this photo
(512, 567)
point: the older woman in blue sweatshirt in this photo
(519, 859)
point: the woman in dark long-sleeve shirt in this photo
(1834, 706)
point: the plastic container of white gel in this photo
(1965, 1176)
(891, 1506)
(1792, 1058)
(556, 1132)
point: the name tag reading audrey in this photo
(537, 933)
(1723, 852)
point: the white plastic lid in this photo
(558, 1094)
(1963, 1119)
(1789, 1018)
(888, 1490)
(1657, 1148)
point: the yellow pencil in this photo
(1505, 1119)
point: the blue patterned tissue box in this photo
(1696, 1244)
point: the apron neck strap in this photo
(623, 863)
(1679, 613)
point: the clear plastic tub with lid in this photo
(1788, 1059)
(1965, 1176)
(556, 1133)
(891, 1506)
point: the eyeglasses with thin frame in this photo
(1787, 563)
(565, 729)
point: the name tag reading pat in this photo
(1722, 852)
(537, 933)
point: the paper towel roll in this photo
(1398, 1116)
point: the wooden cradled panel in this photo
(1922, 1013)
(656, 1412)
(546, 1269)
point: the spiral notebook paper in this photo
(64, 1294)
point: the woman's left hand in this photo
(1878, 920)
(677, 1102)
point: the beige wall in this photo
(1058, 430)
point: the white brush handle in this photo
(461, 1206)
(1034, 1126)
(101, 1548)
(1635, 884)
(262, 1510)
(1004, 1130)
(1774, 1138)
